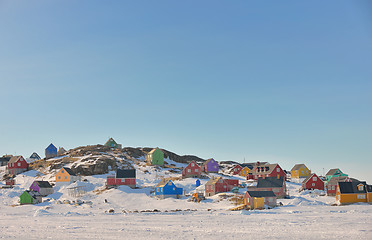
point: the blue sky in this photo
(287, 82)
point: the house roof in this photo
(270, 182)
(51, 146)
(213, 180)
(69, 171)
(310, 176)
(261, 193)
(163, 182)
(34, 155)
(14, 159)
(332, 171)
(33, 194)
(351, 187)
(125, 173)
(335, 180)
(110, 140)
(269, 167)
(43, 184)
(5, 158)
(248, 165)
(297, 167)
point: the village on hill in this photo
(74, 177)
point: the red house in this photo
(236, 169)
(17, 164)
(191, 170)
(122, 177)
(218, 185)
(266, 170)
(10, 182)
(313, 182)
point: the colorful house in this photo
(300, 171)
(155, 157)
(275, 184)
(259, 199)
(266, 170)
(218, 184)
(210, 166)
(42, 187)
(166, 188)
(313, 182)
(50, 151)
(112, 143)
(245, 171)
(30, 197)
(331, 185)
(236, 169)
(65, 176)
(17, 164)
(123, 177)
(353, 192)
(335, 172)
(34, 157)
(191, 170)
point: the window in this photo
(277, 170)
(174, 189)
(192, 164)
(361, 196)
(302, 171)
(333, 187)
(360, 187)
(313, 184)
(63, 171)
(196, 170)
(65, 177)
(169, 183)
(314, 179)
(59, 177)
(188, 170)
(19, 164)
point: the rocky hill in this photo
(99, 159)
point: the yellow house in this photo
(66, 175)
(245, 171)
(353, 192)
(300, 171)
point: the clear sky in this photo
(279, 81)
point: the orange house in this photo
(353, 192)
(245, 171)
(66, 175)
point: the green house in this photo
(155, 157)
(30, 197)
(111, 143)
(336, 172)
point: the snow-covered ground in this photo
(306, 215)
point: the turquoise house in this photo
(336, 172)
(166, 188)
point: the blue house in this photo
(166, 188)
(50, 151)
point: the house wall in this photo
(302, 172)
(25, 198)
(34, 187)
(195, 170)
(157, 157)
(212, 166)
(63, 176)
(310, 184)
(352, 198)
(237, 169)
(331, 189)
(277, 171)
